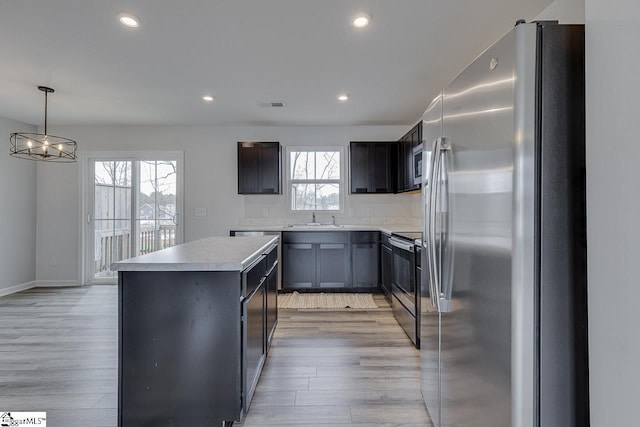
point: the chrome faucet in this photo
(333, 217)
(313, 217)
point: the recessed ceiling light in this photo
(207, 98)
(128, 20)
(343, 97)
(361, 20)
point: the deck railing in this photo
(114, 245)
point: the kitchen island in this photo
(195, 323)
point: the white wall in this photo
(210, 182)
(58, 223)
(563, 11)
(613, 209)
(17, 215)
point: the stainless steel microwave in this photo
(417, 164)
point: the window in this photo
(315, 179)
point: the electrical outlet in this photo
(201, 211)
(53, 261)
(265, 211)
(369, 211)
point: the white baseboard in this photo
(17, 288)
(56, 283)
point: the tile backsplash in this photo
(389, 209)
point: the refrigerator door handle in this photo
(445, 281)
(428, 244)
(441, 297)
(437, 225)
(431, 227)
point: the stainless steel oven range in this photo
(405, 299)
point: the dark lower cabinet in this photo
(386, 267)
(315, 259)
(333, 265)
(419, 268)
(254, 341)
(179, 348)
(259, 319)
(192, 344)
(335, 259)
(299, 265)
(365, 259)
(272, 302)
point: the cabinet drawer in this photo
(365, 236)
(272, 258)
(252, 277)
(384, 239)
(315, 237)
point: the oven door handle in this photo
(401, 245)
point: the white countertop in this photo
(388, 229)
(209, 254)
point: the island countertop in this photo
(208, 254)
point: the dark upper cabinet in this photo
(372, 166)
(259, 168)
(407, 143)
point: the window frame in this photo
(86, 160)
(289, 181)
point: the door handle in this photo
(429, 220)
(401, 245)
(445, 282)
(438, 240)
(435, 186)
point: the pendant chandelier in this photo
(43, 147)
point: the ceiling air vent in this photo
(272, 104)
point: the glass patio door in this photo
(156, 215)
(111, 215)
(134, 211)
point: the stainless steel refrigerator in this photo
(503, 317)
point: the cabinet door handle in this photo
(332, 246)
(300, 246)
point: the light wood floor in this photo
(58, 353)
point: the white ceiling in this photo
(303, 52)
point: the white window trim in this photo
(342, 181)
(86, 198)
